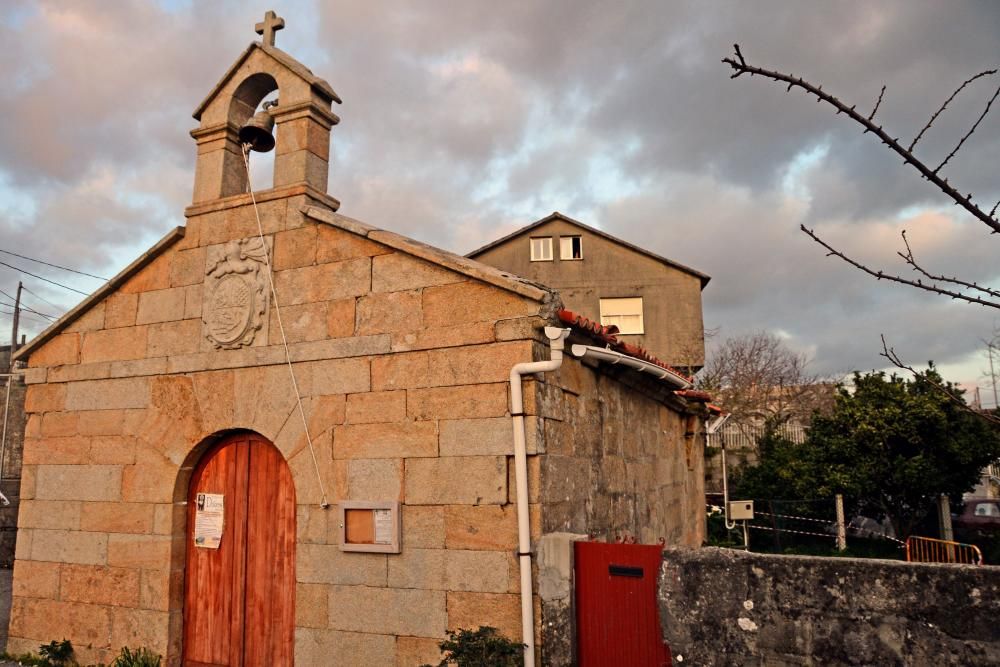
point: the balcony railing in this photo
(746, 436)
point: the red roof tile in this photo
(694, 395)
(609, 336)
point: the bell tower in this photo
(302, 114)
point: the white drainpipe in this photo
(557, 337)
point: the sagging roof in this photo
(556, 215)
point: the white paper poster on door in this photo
(208, 520)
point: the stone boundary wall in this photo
(726, 607)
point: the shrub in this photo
(141, 657)
(53, 654)
(60, 654)
(484, 647)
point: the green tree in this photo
(890, 445)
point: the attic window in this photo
(570, 247)
(541, 249)
(626, 314)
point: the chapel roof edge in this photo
(100, 293)
(449, 260)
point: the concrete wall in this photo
(671, 298)
(725, 607)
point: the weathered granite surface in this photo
(726, 607)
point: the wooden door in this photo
(616, 612)
(239, 599)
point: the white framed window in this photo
(625, 313)
(541, 249)
(570, 247)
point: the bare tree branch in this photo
(890, 354)
(911, 260)
(882, 275)
(872, 114)
(969, 133)
(757, 377)
(740, 67)
(937, 113)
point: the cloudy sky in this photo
(465, 120)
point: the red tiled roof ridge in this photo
(609, 336)
(695, 395)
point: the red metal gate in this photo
(617, 619)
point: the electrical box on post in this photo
(741, 510)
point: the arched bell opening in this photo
(250, 105)
(261, 128)
(301, 152)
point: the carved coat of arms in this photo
(235, 294)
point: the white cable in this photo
(284, 341)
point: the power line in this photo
(58, 307)
(29, 307)
(37, 312)
(23, 314)
(29, 273)
(24, 307)
(56, 266)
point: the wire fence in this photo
(805, 527)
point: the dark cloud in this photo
(462, 121)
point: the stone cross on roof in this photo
(271, 24)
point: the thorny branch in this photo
(882, 275)
(909, 258)
(890, 354)
(913, 144)
(969, 133)
(740, 66)
(879, 102)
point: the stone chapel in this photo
(284, 436)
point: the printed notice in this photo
(383, 526)
(208, 519)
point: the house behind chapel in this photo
(655, 302)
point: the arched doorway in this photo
(239, 587)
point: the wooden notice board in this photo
(372, 527)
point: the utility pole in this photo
(17, 320)
(993, 377)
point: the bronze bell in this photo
(257, 132)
